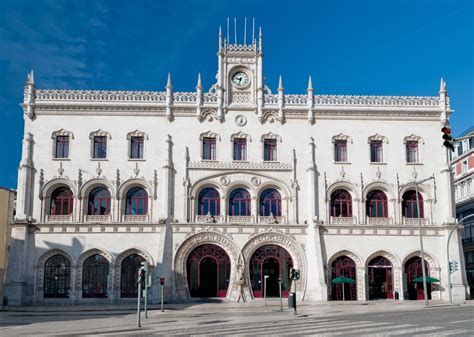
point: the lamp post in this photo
(265, 288)
(422, 253)
(450, 295)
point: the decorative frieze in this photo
(240, 165)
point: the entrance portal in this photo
(343, 266)
(380, 278)
(208, 269)
(412, 271)
(274, 261)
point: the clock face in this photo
(240, 79)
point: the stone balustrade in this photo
(97, 218)
(59, 218)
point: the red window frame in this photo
(409, 204)
(376, 151)
(209, 199)
(270, 201)
(136, 147)
(98, 198)
(64, 197)
(100, 147)
(269, 149)
(377, 204)
(340, 151)
(341, 204)
(62, 147)
(209, 148)
(240, 149)
(239, 199)
(412, 151)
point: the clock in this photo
(240, 79)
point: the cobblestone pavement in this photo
(249, 319)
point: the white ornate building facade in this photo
(216, 189)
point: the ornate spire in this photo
(168, 83)
(31, 78)
(310, 84)
(260, 45)
(280, 84)
(220, 38)
(199, 83)
(442, 86)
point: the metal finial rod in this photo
(235, 30)
(245, 31)
(228, 29)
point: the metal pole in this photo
(450, 295)
(294, 298)
(162, 309)
(423, 271)
(138, 303)
(146, 300)
(265, 288)
(281, 300)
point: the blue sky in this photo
(352, 47)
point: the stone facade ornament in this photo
(240, 120)
(256, 181)
(60, 169)
(136, 170)
(225, 180)
(98, 169)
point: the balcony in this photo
(271, 219)
(343, 220)
(97, 218)
(415, 221)
(379, 221)
(59, 218)
(136, 218)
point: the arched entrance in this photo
(380, 278)
(343, 266)
(412, 271)
(208, 270)
(274, 261)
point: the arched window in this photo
(57, 277)
(136, 201)
(409, 205)
(99, 201)
(270, 202)
(61, 201)
(376, 204)
(341, 204)
(209, 202)
(239, 202)
(128, 276)
(94, 276)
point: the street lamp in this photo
(450, 295)
(422, 253)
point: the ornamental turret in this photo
(199, 97)
(281, 99)
(310, 100)
(443, 102)
(29, 96)
(169, 98)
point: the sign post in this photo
(265, 288)
(145, 288)
(141, 281)
(279, 288)
(162, 283)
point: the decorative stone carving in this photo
(256, 181)
(136, 170)
(378, 137)
(240, 134)
(137, 133)
(271, 135)
(240, 120)
(341, 136)
(413, 138)
(210, 236)
(225, 180)
(241, 165)
(62, 132)
(100, 133)
(209, 134)
(60, 169)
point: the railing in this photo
(342, 220)
(209, 218)
(240, 219)
(59, 218)
(415, 221)
(97, 218)
(136, 218)
(379, 221)
(270, 219)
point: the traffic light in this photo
(448, 139)
(162, 281)
(294, 274)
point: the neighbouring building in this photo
(462, 161)
(7, 213)
(218, 188)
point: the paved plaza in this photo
(384, 318)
